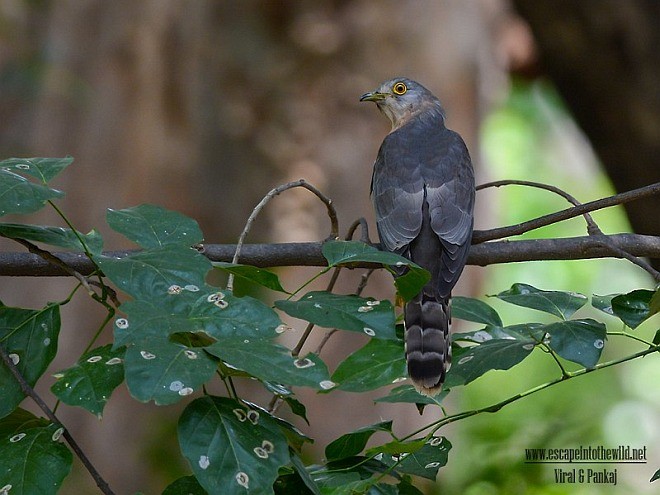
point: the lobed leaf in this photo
(561, 304)
(148, 275)
(215, 314)
(424, 462)
(378, 363)
(152, 226)
(252, 274)
(19, 195)
(91, 381)
(30, 338)
(166, 372)
(357, 314)
(231, 449)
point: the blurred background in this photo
(203, 106)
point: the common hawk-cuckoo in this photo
(423, 192)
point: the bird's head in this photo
(400, 99)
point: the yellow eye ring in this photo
(399, 88)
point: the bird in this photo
(423, 192)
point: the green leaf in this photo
(272, 362)
(34, 461)
(424, 462)
(153, 226)
(523, 331)
(252, 274)
(19, 195)
(378, 363)
(204, 309)
(30, 338)
(603, 303)
(561, 304)
(186, 485)
(43, 169)
(397, 447)
(149, 275)
(351, 444)
(374, 318)
(633, 308)
(304, 475)
(347, 252)
(231, 449)
(656, 476)
(469, 309)
(20, 420)
(166, 372)
(495, 354)
(91, 381)
(580, 341)
(408, 394)
(654, 305)
(54, 236)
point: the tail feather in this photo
(428, 347)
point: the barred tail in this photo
(428, 346)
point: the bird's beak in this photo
(373, 96)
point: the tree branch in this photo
(309, 254)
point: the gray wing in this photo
(414, 168)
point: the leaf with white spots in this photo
(91, 381)
(561, 304)
(54, 236)
(470, 363)
(20, 195)
(152, 226)
(424, 462)
(580, 341)
(232, 449)
(30, 339)
(166, 372)
(351, 444)
(272, 362)
(34, 461)
(148, 274)
(378, 363)
(196, 312)
(370, 317)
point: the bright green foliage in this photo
(176, 334)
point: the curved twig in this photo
(592, 227)
(480, 236)
(332, 213)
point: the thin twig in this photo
(480, 236)
(332, 213)
(592, 227)
(30, 392)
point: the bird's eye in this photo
(399, 88)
